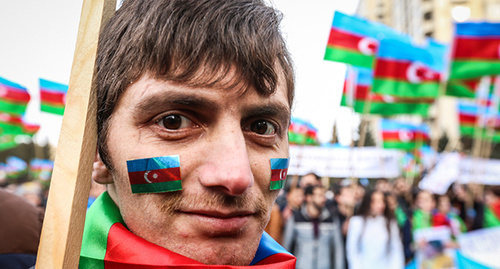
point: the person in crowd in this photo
(194, 101)
(21, 226)
(425, 203)
(309, 179)
(488, 213)
(445, 216)
(373, 239)
(313, 233)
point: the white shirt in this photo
(373, 250)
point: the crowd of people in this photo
(353, 225)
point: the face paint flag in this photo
(154, 175)
(52, 96)
(14, 98)
(476, 50)
(279, 170)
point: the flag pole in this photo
(62, 230)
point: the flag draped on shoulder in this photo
(354, 40)
(405, 70)
(52, 96)
(108, 244)
(476, 50)
(14, 98)
(403, 135)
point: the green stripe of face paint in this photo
(277, 185)
(157, 187)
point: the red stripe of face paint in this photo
(163, 175)
(278, 174)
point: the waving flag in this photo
(469, 120)
(14, 98)
(153, 175)
(357, 92)
(476, 50)
(402, 135)
(301, 132)
(355, 41)
(404, 70)
(462, 87)
(52, 96)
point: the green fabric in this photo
(473, 69)
(59, 110)
(410, 145)
(100, 217)
(388, 109)
(490, 219)
(400, 216)
(12, 108)
(10, 128)
(405, 88)
(421, 220)
(458, 88)
(347, 56)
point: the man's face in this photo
(225, 140)
(318, 197)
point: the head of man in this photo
(315, 196)
(212, 82)
(310, 179)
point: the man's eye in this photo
(262, 127)
(174, 122)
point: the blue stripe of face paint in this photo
(279, 163)
(155, 163)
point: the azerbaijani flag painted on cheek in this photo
(154, 175)
(52, 96)
(279, 170)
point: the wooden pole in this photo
(62, 231)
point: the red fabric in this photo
(399, 70)
(496, 208)
(14, 94)
(360, 93)
(477, 48)
(52, 97)
(439, 219)
(343, 39)
(126, 251)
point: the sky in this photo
(37, 40)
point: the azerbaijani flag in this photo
(354, 41)
(279, 170)
(404, 70)
(462, 87)
(10, 124)
(14, 98)
(469, 120)
(476, 50)
(301, 132)
(357, 91)
(52, 96)
(154, 175)
(403, 135)
(41, 169)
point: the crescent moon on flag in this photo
(283, 174)
(405, 135)
(411, 72)
(367, 45)
(146, 177)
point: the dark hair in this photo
(364, 211)
(199, 43)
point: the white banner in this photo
(443, 175)
(482, 246)
(482, 171)
(368, 162)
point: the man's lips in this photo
(219, 222)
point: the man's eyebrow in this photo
(278, 110)
(174, 98)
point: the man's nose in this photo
(227, 164)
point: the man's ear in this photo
(100, 173)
